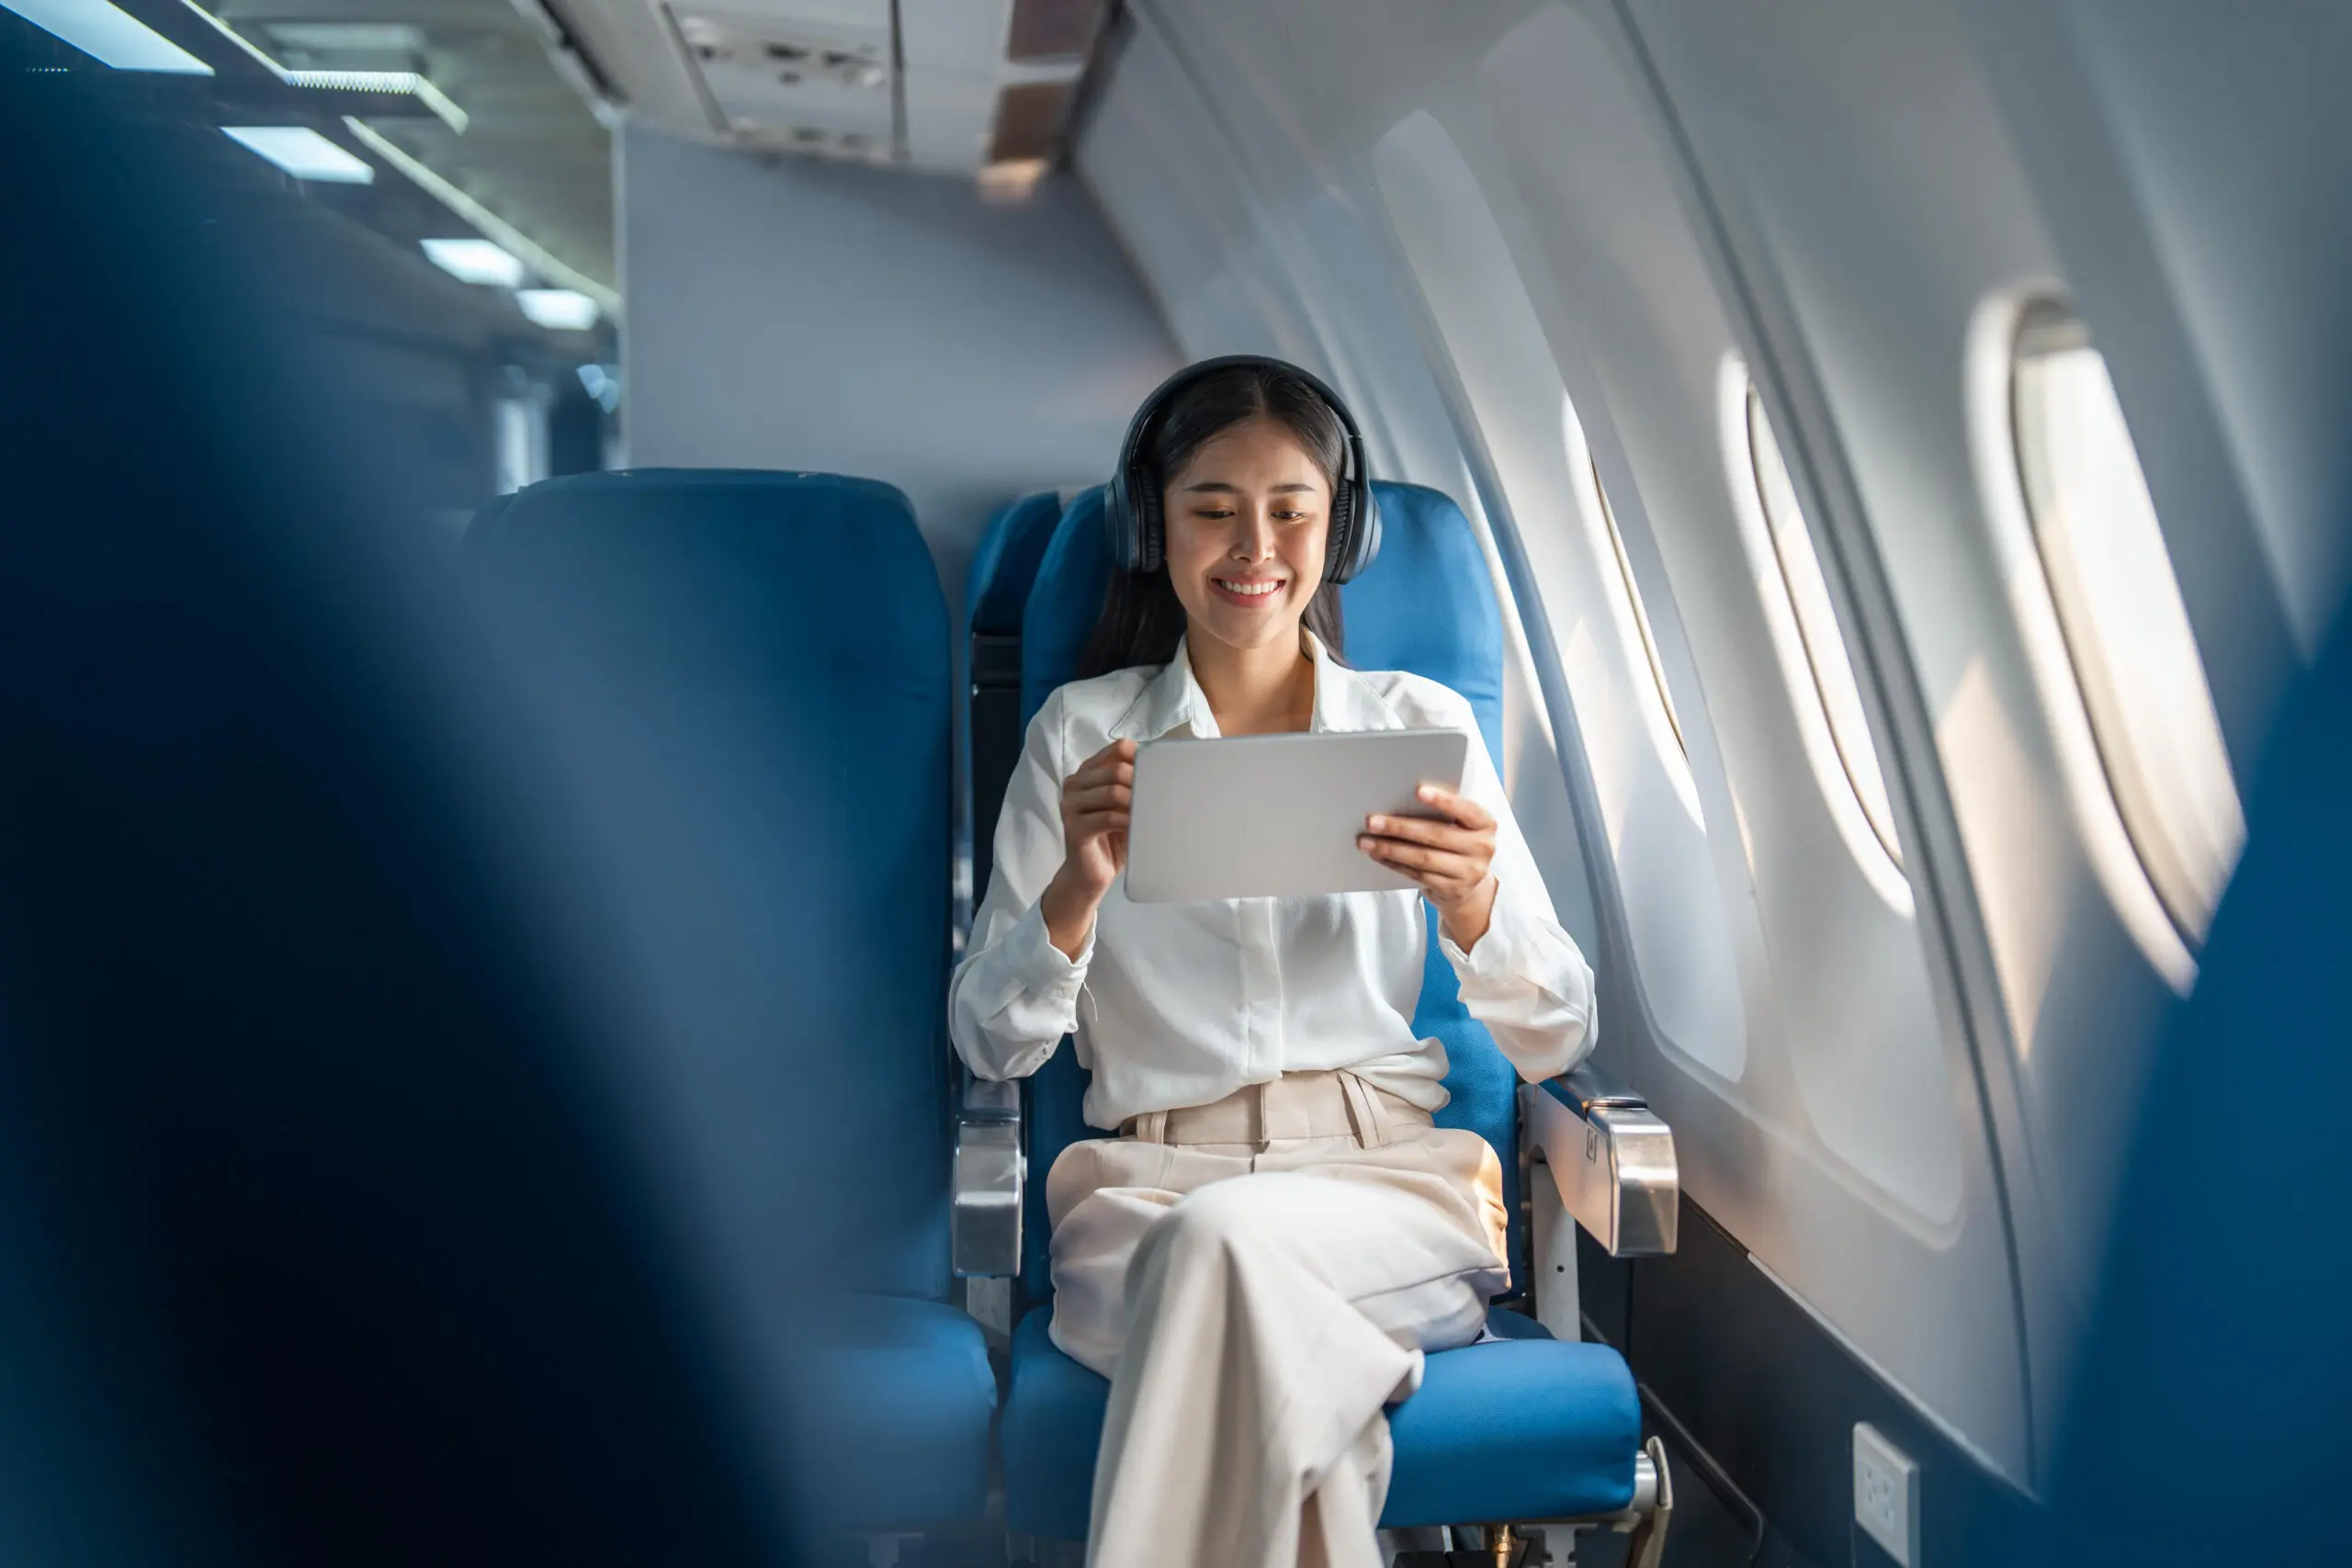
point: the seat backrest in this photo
(784, 636)
(1426, 605)
(995, 593)
(1005, 564)
(2215, 1363)
(320, 1207)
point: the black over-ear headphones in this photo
(1132, 510)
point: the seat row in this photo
(792, 626)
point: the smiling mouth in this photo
(1256, 590)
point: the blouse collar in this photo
(1172, 699)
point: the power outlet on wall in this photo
(1886, 1495)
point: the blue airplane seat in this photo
(1427, 605)
(699, 615)
(2255, 1408)
(995, 590)
(1524, 1429)
(997, 586)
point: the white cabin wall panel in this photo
(1929, 1306)
(1235, 167)
(1687, 981)
(891, 326)
(1167, 190)
(1888, 246)
(2190, 166)
(2236, 128)
(1851, 1066)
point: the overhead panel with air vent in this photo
(813, 79)
(954, 85)
(961, 74)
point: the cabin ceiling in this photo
(949, 85)
(533, 150)
(971, 86)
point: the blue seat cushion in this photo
(997, 587)
(895, 1400)
(1064, 601)
(1426, 605)
(1528, 1428)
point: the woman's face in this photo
(1247, 519)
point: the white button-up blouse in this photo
(1185, 1003)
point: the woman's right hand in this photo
(1095, 800)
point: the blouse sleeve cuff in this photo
(1040, 966)
(1495, 956)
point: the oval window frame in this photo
(2045, 327)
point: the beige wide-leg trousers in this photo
(1259, 1278)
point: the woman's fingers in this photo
(1425, 830)
(1423, 863)
(1465, 812)
(1098, 779)
(1119, 753)
(1098, 797)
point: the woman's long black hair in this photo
(1142, 619)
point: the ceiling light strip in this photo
(428, 94)
(542, 261)
(109, 35)
(303, 154)
(400, 82)
(233, 36)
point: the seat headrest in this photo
(731, 565)
(1427, 605)
(997, 589)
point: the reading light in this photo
(475, 261)
(558, 310)
(112, 36)
(303, 153)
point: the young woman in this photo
(1275, 1232)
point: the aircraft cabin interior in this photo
(556, 563)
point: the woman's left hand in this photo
(1452, 858)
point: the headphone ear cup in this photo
(1119, 523)
(1340, 540)
(1148, 551)
(1364, 538)
(1353, 549)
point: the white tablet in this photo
(1276, 815)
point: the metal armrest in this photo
(985, 1224)
(1611, 1158)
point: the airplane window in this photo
(2120, 610)
(1820, 645)
(1641, 613)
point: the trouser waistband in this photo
(1335, 1104)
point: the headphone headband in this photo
(1132, 509)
